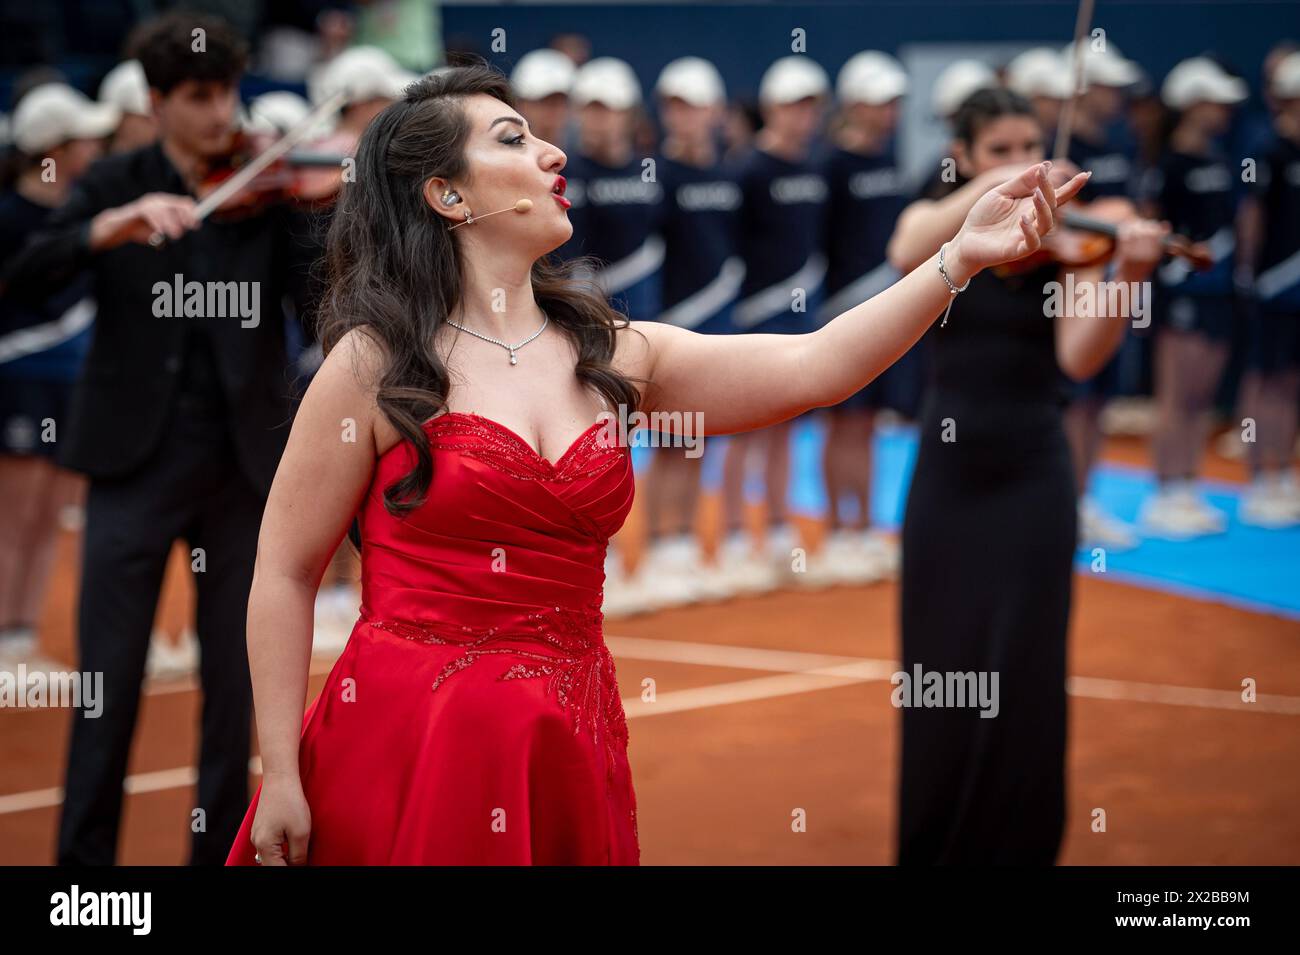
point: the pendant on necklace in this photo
(513, 361)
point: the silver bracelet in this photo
(952, 286)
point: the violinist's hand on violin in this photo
(1139, 247)
(157, 213)
(1009, 221)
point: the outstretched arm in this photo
(743, 382)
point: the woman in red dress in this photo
(467, 415)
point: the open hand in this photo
(1009, 221)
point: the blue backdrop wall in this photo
(743, 39)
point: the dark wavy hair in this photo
(165, 48)
(392, 267)
(977, 111)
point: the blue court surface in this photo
(1247, 567)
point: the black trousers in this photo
(192, 488)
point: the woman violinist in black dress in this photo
(989, 532)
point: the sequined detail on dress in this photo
(496, 445)
(571, 656)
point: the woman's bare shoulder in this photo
(345, 386)
(635, 348)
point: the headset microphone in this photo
(523, 205)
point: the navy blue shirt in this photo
(46, 339)
(1196, 194)
(866, 195)
(702, 271)
(780, 237)
(614, 216)
(1277, 187)
(1111, 160)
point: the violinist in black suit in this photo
(179, 420)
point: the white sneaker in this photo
(780, 542)
(1266, 503)
(742, 569)
(625, 594)
(1097, 528)
(1176, 513)
(779, 545)
(684, 559)
(823, 566)
(17, 643)
(851, 557)
(166, 659)
(671, 572)
(1210, 518)
(614, 570)
(885, 550)
(712, 582)
(1287, 487)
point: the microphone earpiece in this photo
(521, 206)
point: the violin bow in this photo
(1083, 20)
(249, 171)
(1194, 252)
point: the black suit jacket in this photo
(137, 358)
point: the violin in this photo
(1086, 237)
(228, 181)
(299, 178)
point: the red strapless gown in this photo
(474, 717)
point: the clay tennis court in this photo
(769, 705)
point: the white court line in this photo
(1098, 689)
(760, 688)
(721, 655)
(821, 672)
(34, 799)
(797, 672)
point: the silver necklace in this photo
(506, 345)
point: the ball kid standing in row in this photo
(783, 193)
(865, 194)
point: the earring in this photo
(450, 198)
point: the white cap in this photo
(362, 73)
(695, 80)
(54, 113)
(608, 81)
(401, 79)
(1201, 80)
(1040, 72)
(1286, 77)
(1104, 67)
(276, 112)
(791, 79)
(871, 77)
(958, 80)
(126, 88)
(542, 73)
